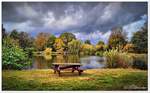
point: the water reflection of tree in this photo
(72, 58)
(67, 59)
(40, 62)
(59, 59)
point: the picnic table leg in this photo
(55, 68)
(79, 70)
(58, 70)
(73, 69)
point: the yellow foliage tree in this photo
(128, 47)
(87, 49)
(59, 45)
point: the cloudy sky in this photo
(92, 21)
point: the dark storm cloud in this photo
(76, 17)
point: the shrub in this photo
(13, 57)
(118, 59)
(88, 49)
(99, 53)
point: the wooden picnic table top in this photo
(67, 64)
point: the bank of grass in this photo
(95, 79)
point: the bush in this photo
(13, 57)
(99, 53)
(88, 49)
(118, 59)
(140, 61)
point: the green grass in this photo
(96, 79)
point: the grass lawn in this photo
(95, 79)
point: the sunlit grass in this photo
(95, 79)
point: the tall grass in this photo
(119, 59)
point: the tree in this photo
(100, 46)
(140, 40)
(74, 46)
(100, 43)
(67, 37)
(4, 34)
(14, 34)
(87, 49)
(128, 47)
(41, 41)
(13, 57)
(59, 45)
(25, 41)
(51, 41)
(117, 38)
(87, 42)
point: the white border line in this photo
(76, 91)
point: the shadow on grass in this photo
(71, 74)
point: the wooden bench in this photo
(61, 66)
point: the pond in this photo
(88, 62)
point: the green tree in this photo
(74, 47)
(140, 40)
(67, 37)
(14, 34)
(100, 46)
(117, 38)
(87, 42)
(51, 41)
(13, 57)
(100, 43)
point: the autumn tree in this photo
(117, 38)
(59, 45)
(41, 41)
(87, 49)
(129, 47)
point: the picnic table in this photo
(61, 66)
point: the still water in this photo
(88, 62)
